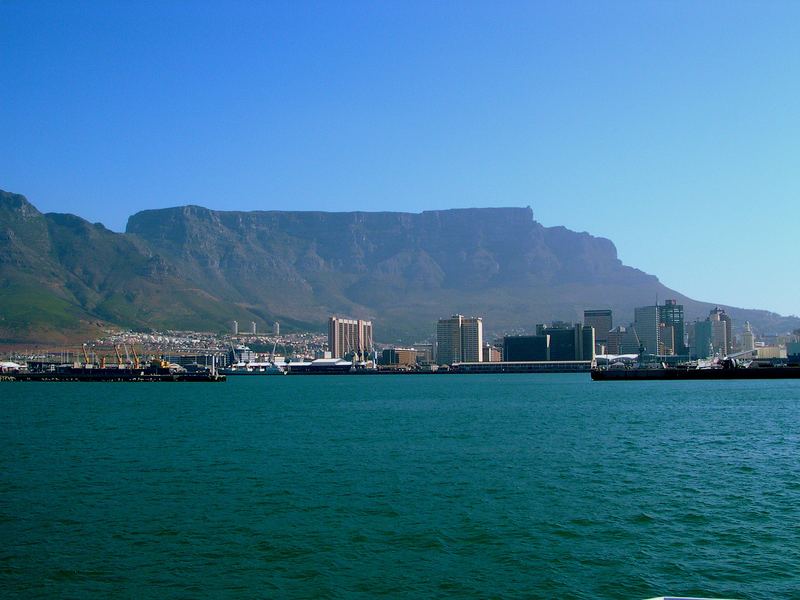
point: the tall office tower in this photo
(276, 328)
(346, 336)
(720, 314)
(646, 323)
(700, 336)
(586, 351)
(472, 339)
(602, 322)
(671, 315)
(236, 328)
(253, 327)
(748, 339)
(459, 339)
(365, 345)
(666, 339)
(719, 331)
(709, 337)
(448, 340)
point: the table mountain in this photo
(194, 268)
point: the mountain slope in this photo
(406, 270)
(62, 277)
(189, 267)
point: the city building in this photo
(276, 328)
(459, 339)
(771, 352)
(719, 314)
(399, 357)
(748, 339)
(793, 352)
(602, 321)
(709, 337)
(700, 336)
(253, 327)
(349, 337)
(646, 321)
(472, 339)
(491, 354)
(661, 329)
(666, 339)
(425, 352)
(236, 328)
(671, 315)
(517, 348)
(568, 341)
(623, 340)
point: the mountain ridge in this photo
(190, 267)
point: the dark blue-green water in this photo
(540, 486)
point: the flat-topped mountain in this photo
(191, 267)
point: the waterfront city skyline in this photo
(669, 128)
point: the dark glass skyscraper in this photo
(671, 315)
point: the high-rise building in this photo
(472, 339)
(724, 318)
(646, 323)
(448, 340)
(709, 337)
(666, 339)
(671, 315)
(602, 321)
(701, 337)
(459, 339)
(236, 328)
(276, 328)
(349, 336)
(748, 339)
(253, 327)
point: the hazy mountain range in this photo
(62, 277)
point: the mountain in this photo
(194, 268)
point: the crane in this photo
(135, 357)
(119, 357)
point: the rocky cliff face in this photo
(190, 267)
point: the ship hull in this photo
(695, 374)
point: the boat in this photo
(254, 368)
(728, 368)
(321, 366)
(154, 372)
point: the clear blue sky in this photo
(672, 128)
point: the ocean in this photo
(452, 486)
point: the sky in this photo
(671, 128)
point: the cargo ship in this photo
(724, 369)
(157, 370)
